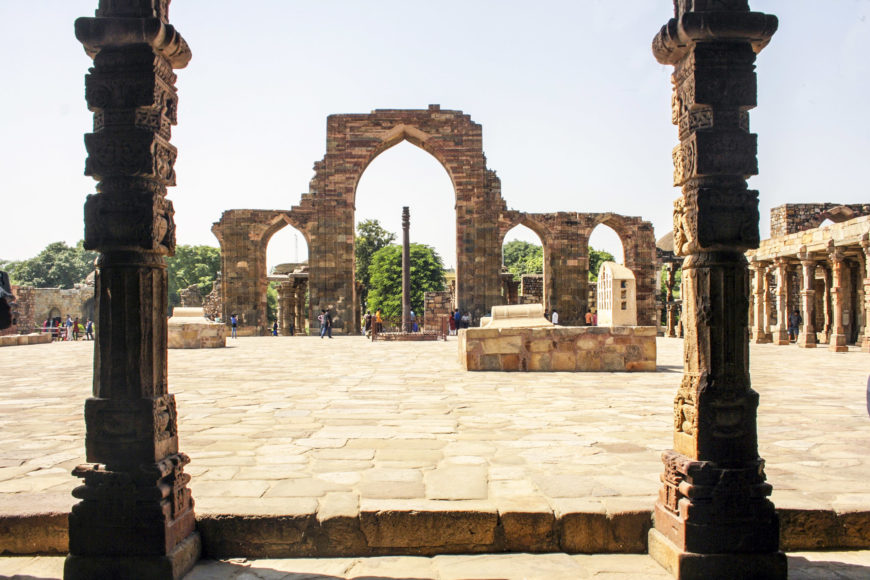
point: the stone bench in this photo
(516, 316)
(189, 328)
(559, 348)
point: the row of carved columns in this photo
(834, 306)
(291, 306)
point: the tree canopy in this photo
(596, 257)
(370, 238)
(57, 266)
(523, 258)
(385, 275)
(192, 265)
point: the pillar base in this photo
(780, 337)
(173, 566)
(762, 339)
(690, 566)
(837, 343)
(807, 341)
(866, 346)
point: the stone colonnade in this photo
(832, 294)
(713, 518)
(292, 317)
(135, 515)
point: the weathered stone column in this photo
(135, 518)
(286, 307)
(865, 243)
(762, 313)
(671, 305)
(713, 518)
(780, 331)
(837, 342)
(301, 314)
(807, 337)
(406, 270)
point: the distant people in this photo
(588, 318)
(413, 321)
(89, 330)
(292, 329)
(46, 326)
(367, 323)
(451, 322)
(76, 325)
(68, 328)
(554, 318)
(457, 318)
(379, 321)
(275, 328)
(466, 320)
(794, 322)
(325, 323)
(594, 319)
(234, 322)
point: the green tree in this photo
(57, 266)
(192, 265)
(370, 238)
(596, 257)
(523, 258)
(272, 302)
(385, 276)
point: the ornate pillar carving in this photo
(780, 332)
(761, 315)
(837, 342)
(807, 337)
(713, 518)
(865, 243)
(135, 517)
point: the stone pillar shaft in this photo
(671, 331)
(761, 314)
(406, 270)
(713, 518)
(780, 333)
(865, 243)
(807, 337)
(837, 342)
(135, 517)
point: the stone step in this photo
(458, 528)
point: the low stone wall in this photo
(559, 348)
(22, 339)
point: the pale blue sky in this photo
(575, 110)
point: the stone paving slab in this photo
(801, 566)
(351, 438)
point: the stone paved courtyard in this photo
(305, 421)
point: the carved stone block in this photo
(127, 433)
(144, 222)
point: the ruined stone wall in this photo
(798, 217)
(532, 289)
(212, 302)
(244, 236)
(436, 304)
(78, 302)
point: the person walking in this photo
(275, 328)
(234, 322)
(794, 322)
(325, 323)
(451, 322)
(68, 326)
(89, 330)
(379, 321)
(367, 323)
(554, 318)
(457, 318)
(588, 318)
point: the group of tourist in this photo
(373, 322)
(591, 318)
(458, 320)
(69, 329)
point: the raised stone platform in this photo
(23, 339)
(408, 336)
(558, 348)
(189, 328)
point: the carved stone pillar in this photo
(780, 331)
(301, 314)
(762, 313)
(135, 518)
(807, 337)
(286, 307)
(713, 518)
(865, 243)
(837, 342)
